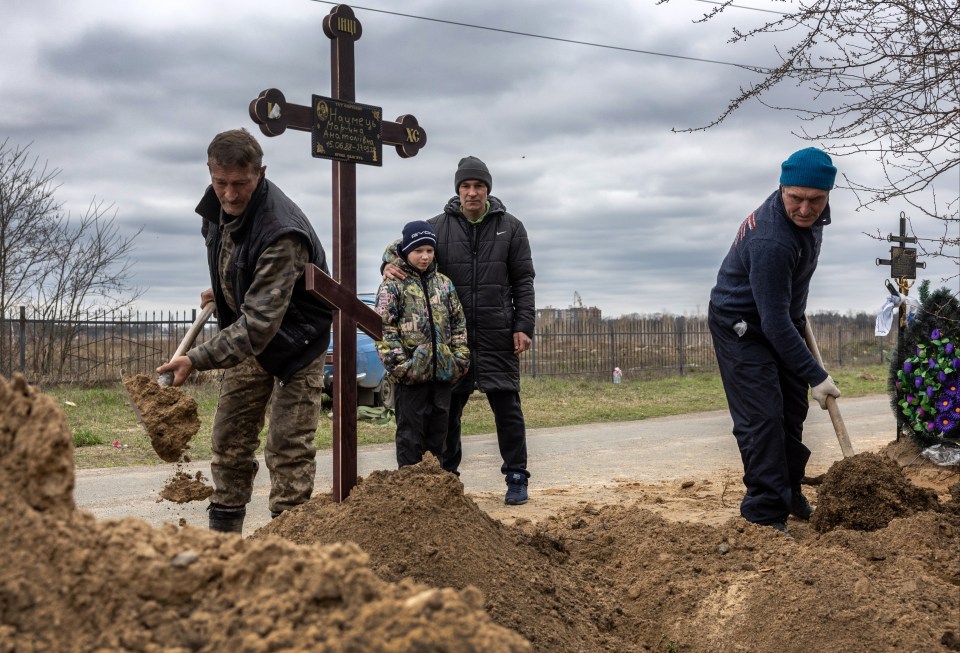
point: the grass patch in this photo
(86, 438)
(103, 412)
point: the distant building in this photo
(548, 314)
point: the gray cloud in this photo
(123, 97)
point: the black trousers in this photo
(511, 431)
(768, 404)
(422, 411)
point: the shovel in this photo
(842, 437)
(166, 379)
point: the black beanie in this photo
(417, 234)
(470, 167)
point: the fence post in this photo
(613, 349)
(23, 340)
(533, 352)
(681, 348)
(839, 344)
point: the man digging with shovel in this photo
(272, 337)
(757, 320)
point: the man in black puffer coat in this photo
(485, 252)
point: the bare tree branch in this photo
(884, 78)
(61, 266)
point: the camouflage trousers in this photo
(246, 392)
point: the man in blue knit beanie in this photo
(757, 320)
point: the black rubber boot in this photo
(226, 519)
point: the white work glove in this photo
(824, 389)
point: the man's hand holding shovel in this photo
(180, 366)
(823, 390)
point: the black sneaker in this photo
(780, 526)
(800, 507)
(516, 489)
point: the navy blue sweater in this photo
(765, 279)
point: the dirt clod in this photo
(169, 416)
(864, 492)
(183, 488)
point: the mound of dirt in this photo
(416, 523)
(620, 578)
(69, 583)
(409, 563)
(169, 416)
(866, 491)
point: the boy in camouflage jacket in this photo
(424, 346)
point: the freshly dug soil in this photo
(409, 563)
(183, 488)
(69, 583)
(168, 415)
(866, 491)
(618, 578)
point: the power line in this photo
(756, 69)
(767, 11)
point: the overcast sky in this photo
(123, 97)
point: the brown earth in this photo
(182, 487)
(168, 415)
(649, 567)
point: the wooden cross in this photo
(903, 260)
(347, 133)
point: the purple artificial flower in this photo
(918, 382)
(947, 422)
(949, 348)
(932, 363)
(942, 376)
(910, 399)
(955, 363)
(919, 352)
(935, 334)
(930, 426)
(907, 367)
(921, 412)
(931, 391)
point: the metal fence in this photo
(679, 345)
(97, 348)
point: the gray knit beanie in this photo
(470, 167)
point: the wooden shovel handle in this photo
(165, 380)
(838, 426)
(194, 329)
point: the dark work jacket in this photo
(491, 267)
(765, 279)
(304, 332)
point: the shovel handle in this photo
(166, 379)
(838, 426)
(194, 329)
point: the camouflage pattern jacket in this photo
(424, 329)
(269, 313)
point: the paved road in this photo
(596, 454)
